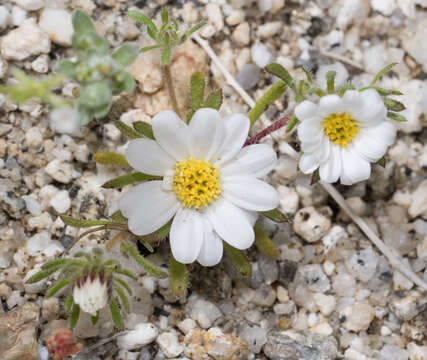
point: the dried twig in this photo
(390, 253)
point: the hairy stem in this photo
(268, 130)
(168, 76)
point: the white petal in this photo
(372, 110)
(231, 224)
(309, 147)
(330, 104)
(305, 110)
(236, 129)
(206, 134)
(212, 248)
(330, 170)
(386, 131)
(352, 100)
(354, 168)
(172, 134)
(310, 130)
(186, 235)
(252, 216)
(147, 156)
(322, 153)
(308, 163)
(256, 160)
(250, 193)
(148, 207)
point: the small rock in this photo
(385, 7)
(57, 24)
(255, 336)
(313, 277)
(25, 41)
(289, 199)
(30, 5)
(204, 345)
(322, 328)
(61, 202)
(213, 12)
(362, 264)
(344, 284)
(410, 306)
(412, 41)
(270, 29)
(335, 234)
(248, 76)
(204, 312)
(17, 16)
(417, 352)
(264, 296)
(41, 64)
(60, 171)
(261, 55)
(34, 137)
(351, 11)
(187, 325)
(393, 352)
(419, 201)
(147, 73)
(236, 17)
(4, 17)
(169, 343)
(18, 329)
(325, 303)
(310, 224)
(64, 121)
(422, 249)
(286, 345)
(241, 34)
(358, 316)
(143, 334)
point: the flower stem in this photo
(171, 89)
(268, 130)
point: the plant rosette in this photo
(342, 136)
(210, 185)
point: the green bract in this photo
(99, 74)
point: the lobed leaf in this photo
(145, 20)
(279, 71)
(125, 272)
(178, 277)
(274, 93)
(115, 314)
(112, 159)
(214, 100)
(148, 48)
(42, 274)
(238, 259)
(264, 244)
(129, 179)
(192, 31)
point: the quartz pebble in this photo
(57, 24)
(362, 264)
(4, 16)
(313, 277)
(358, 316)
(393, 352)
(143, 334)
(255, 336)
(61, 202)
(30, 5)
(325, 303)
(248, 76)
(25, 41)
(288, 199)
(261, 55)
(241, 34)
(310, 224)
(169, 343)
(203, 311)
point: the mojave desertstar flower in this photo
(210, 184)
(342, 135)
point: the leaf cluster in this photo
(167, 36)
(99, 74)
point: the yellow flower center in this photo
(196, 183)
(341, 128)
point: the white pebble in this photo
(143, 334)
(325, 303)
(169, 343)
(310, 224)
(57, 24)
(261, 55)
(17, 16)
(64, 121)
(61, 202)
(4, 17)
(34, 137)
(41, 64)
(289, 199)
(187, 325)
(30, 5)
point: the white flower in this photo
(90, 293)
(65, 121)
(209, 184)
(342, 135)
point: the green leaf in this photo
(112, 159)
(164, 231)
(382, 91)
(123, 284)
(129, 179)
(66, 67)
(165, 16)
(330, 80)
(279, 71)
(81, 223)
(42, 274)
(82, 22)
(394, 105)
(95, 318)
(146, 244)
(291, 124)
(148, 267)
(308, 75)
(68, 302)
(214, 100)
(166, 56)
(123, 298)
(276, 215)
(56, 263)
(118, 216)
(125, 54)
(197, 90)
(238, 259)
(382, 72)
(178, 277)
(382, 162)
(148, 48)
(315, 178)
(345, 88)
(115, 314)
(143, 19)
(396, 117)
(124, 82)
(127, 130)
(192, 31)
(144, 128)
(264, 244)
(74, 317)
(125, 272)
(274, 93)
(58, 286)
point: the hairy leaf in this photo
(330, 80)
(279, 71)
(115, 314)
(291, 124)
(382, 162)
(68, 302)
(148, 267)
(197, 90)
(41, 275)
(74, 317)
(112, 159)
(396, 117)
(264, 244)
(123, 298)
(82, 22)
(238, 259)
(129, 179)
(394, 105)
(192, 31)
(143, 19)
(125, 54)
(382, 72)
(82, 223)
(166, 56)
(214, 100)
(58, 286)
(118, 216)
(178, 277)
(123, 284)
(144, 128)
(127, 130)
(276, 215)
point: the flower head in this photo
(341, 136)
(210, 184)
(91, 292)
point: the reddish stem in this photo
(268, 130)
